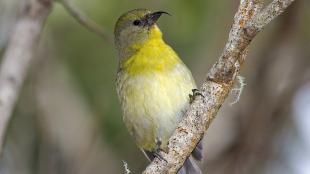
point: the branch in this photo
(85, 21)
(21, 50)
(248, 21)
(273, 10)
(18, 57)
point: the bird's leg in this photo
(195, 92)
(158, 143)
(158, 150)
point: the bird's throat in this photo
(154, 55)
(135, 42)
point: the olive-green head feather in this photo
(133, 28)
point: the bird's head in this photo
(134, 28)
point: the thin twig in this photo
(18, 58)
(85, 21)
(125, 165)
(218, 84)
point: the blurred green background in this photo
(68, 119)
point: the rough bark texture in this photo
(248, 21)
(18, 57)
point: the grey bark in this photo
(248, 21)
(18, 58)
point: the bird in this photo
(153, 85)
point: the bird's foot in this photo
(158, 150)
(158, 155)
(196, 93)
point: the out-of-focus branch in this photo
(84, 20)
(248, 21)
(18, 57)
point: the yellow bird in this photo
(153, 84)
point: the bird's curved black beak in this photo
(152, 18)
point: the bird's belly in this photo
(153, 104)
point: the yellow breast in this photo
(153, 87)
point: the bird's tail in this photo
(190, 166)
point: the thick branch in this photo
(248, 21)
(18, 57)
(85, 21)
(273, 10)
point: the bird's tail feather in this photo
(198, 151)
(190, 167)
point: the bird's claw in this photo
(158, 155)
(158, 150)
(195, 92)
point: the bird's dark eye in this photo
(136, 22)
